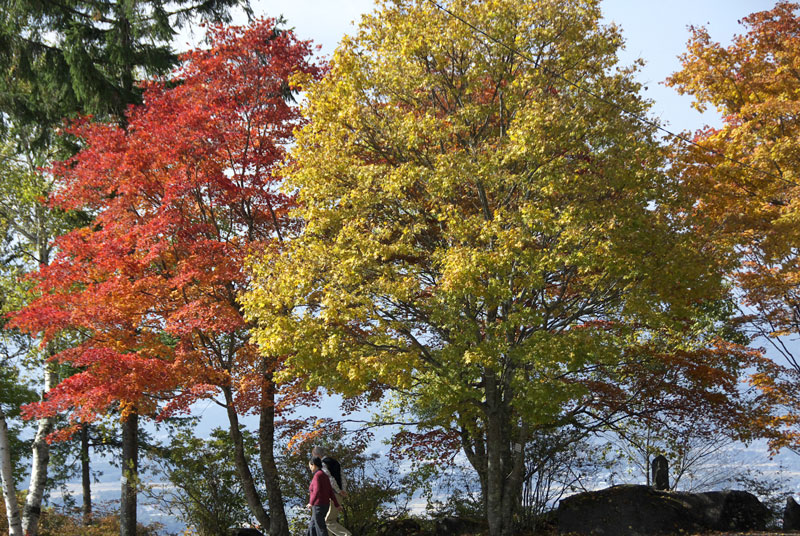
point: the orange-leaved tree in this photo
(180, 198)
(745, 178)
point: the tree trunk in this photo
(7, 480)
(279, 526)
(126, 53)
(504, 459)
(40, 458)
(130, 475)
(86, 477)
(242, 466)
(495, 470)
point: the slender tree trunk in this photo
(130, 475)
(86, 477)
(41, 457)
(512, 494)
(504, 456)
(7, 480)
(494, 446)
(279, 526)
(242, 466)
(126, 53)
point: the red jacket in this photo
(321, 490)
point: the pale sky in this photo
(654, 30)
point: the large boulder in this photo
(239, 531)
(642, 511)
(623, 511)
(728, 510)
(458, 526)
(400, 527)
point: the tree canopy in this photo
(745, 179)
(465, 217)
(80, 56)
(488, 231)
(179, 197)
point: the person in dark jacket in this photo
(320, 498)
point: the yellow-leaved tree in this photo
(489, 241)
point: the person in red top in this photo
(320, 497)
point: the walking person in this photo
(332, 468)
(321, 498)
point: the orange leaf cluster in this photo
(745, 178)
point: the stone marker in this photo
(791, 515)
(661, 473)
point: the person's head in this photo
(314, 464)
(317, 452)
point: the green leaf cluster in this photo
(79, 56)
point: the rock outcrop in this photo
(400, 527)
(456, 526)
(245, 532)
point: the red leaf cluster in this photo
(180, 195)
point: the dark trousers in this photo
(316, 526)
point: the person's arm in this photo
(313, 490)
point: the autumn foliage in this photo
(745, 179)
(495, 245)
(179, 197)
(500, 250)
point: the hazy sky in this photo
(655, 30)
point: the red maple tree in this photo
(180, 198)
